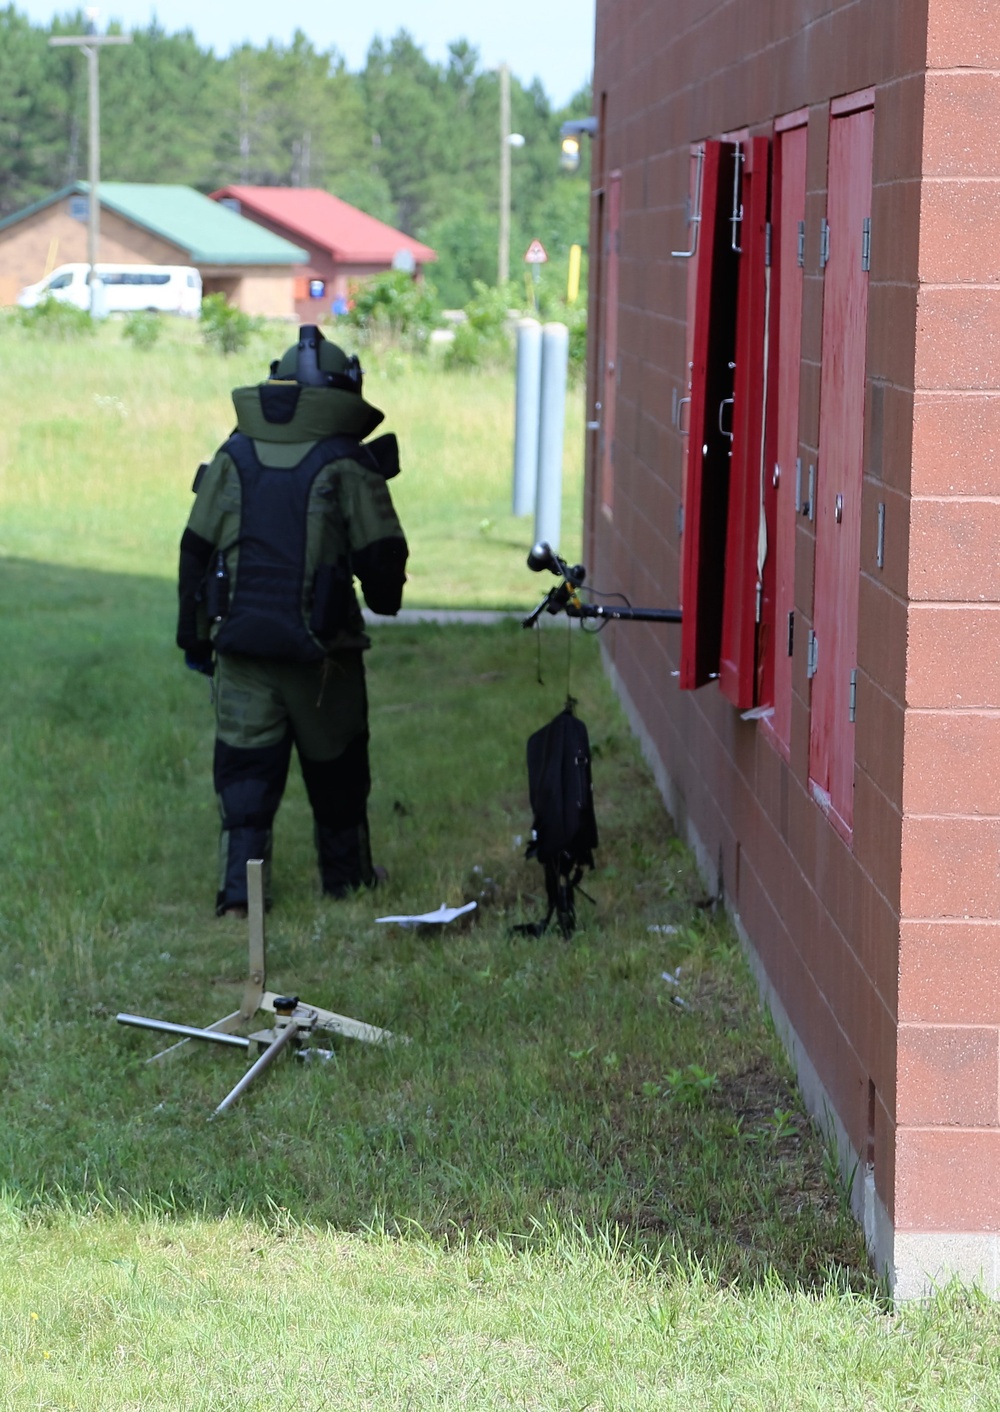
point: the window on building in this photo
(729, 630)
(706, 481)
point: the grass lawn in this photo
(98, 456)
(570, 1191)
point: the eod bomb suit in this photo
(292, 508)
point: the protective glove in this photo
(200, 658)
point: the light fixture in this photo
(572, 133)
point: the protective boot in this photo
(345, 859)
(249, 785)
(338, 792)
(236, 848)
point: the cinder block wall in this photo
(948, 1139)
(821, 914)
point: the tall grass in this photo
(102, 441)
(247, 1317)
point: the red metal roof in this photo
(324, 220)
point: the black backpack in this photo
(564, 830)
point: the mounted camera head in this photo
(542, 556)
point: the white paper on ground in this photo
(442, 915)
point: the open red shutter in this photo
(840, 472)
(776, 636)
(747, 537)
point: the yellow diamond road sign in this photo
(535, 254)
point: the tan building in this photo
(794, 402)
(154, 225)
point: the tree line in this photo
(412, 142)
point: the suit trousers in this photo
(263, 708)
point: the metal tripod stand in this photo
(294, 1020)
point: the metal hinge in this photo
(812, 655)
(852, 696)
(807, 505)
(824, 243)
(791, 632)
(680, 521)
(760, 600)
(802, 244)
(880, 543)
(767, 244)
(736, 219)
(693, 216)
(866, 243)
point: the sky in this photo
(552, 40)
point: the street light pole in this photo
(503, 254)
(91, 45)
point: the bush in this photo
(485, 337)
(53, 319)
(142, 328)
(575, 319)
(224, 327)
(397, 304)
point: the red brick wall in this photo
(822, 913)
(948, 1106)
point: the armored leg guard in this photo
(345, 859)
(249, 784)
(338, 792)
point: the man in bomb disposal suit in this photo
(290, 510)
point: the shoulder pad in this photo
(384, 450)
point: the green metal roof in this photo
(210, 234)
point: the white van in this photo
(168, 289)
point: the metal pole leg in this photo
(271, 1053)
(189, 1031)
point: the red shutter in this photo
(747, 535)
(706, 482)
(839, 472)
(609, 359)
(788, 206)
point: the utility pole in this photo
(503, 254)
(91, 45)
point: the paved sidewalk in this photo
(484, 616)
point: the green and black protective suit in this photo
(290, 511)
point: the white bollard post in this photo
(552, 425)
(526, 405)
